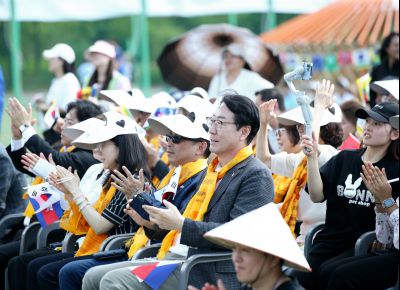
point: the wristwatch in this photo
(23, 127)
(388, 203)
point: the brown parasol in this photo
(193, 59)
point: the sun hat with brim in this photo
(179, 125)
(295, 116)
(114, 125)
(164, 100)
(197, 105)
(200, 92)
(118, 97)
(272, 237)
(74, 131)
(237, 50)
(103, 47)
(381, 112)
(60, 50)
(394, 121)
(386, 87)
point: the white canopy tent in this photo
(89, 10)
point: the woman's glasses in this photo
(279, 132)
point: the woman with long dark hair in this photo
(389, 66)
(105, 77)
(350, 204)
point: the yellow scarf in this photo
(92, 242)
(188, 170)
(290, 204)
(198, 205)
(29, 211)
(281, 186)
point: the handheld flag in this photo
(46, 201)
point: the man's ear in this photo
(246, 130)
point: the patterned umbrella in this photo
(193, 59)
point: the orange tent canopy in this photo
(344, 22)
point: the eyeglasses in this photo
(279, 132)
(217, 124)
(176, 139)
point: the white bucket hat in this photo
(197, 105)
(201, 92)
(295, 116)
(77, 130)
(273, 237)
(114, 125)
(179, 125)
(103, 47)
(164, 100)
(385, 87)
(118, 97)
(60, 50)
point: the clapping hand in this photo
(18, 114)
(136, 217)
(376, 181)
(167, 219)
(129, 185)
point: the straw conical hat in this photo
(265, 230)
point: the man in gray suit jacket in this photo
(12, 183)
(246, 186)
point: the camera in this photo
(302, 72)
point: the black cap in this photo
(381, 112)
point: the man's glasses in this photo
(217, 124)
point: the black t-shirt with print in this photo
(350, 206)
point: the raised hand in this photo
(128, 184)
(324, 94)
(267, 111)
(18, 114)
(309, 146)
(69, 180)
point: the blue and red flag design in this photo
(155, 274)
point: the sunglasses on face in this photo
(176, 139)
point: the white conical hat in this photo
(265, 230)
(295, 116)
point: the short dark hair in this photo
(293, 134)
(332, 134)
(84, 109)
(132, 153)
(349, 109)
(245, 113)
(270, 94)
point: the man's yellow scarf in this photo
(198, 205)
(29, 211)
(92, 242)
(188, 170)
(290, 204)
